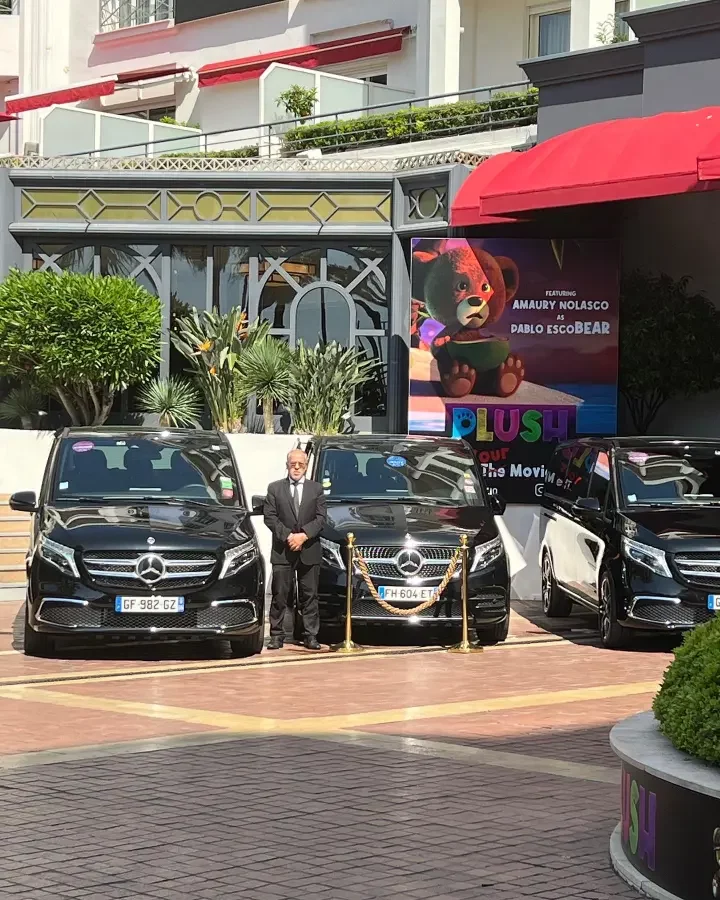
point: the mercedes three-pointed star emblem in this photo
(409, 562)
(150, 568)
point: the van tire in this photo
(556, 604)
(495, 634)
(245, 645)
(613, 635)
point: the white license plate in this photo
(714, 602)
(408, 594)
(149, 604)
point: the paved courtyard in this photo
(158, 773)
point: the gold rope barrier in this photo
(355, 559)
(465, 646)
(426, 604)
(348, 645)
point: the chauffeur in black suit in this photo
(295, 512)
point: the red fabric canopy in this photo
(625, 159)
(153, 72)
(88, 91)
(74, 93)
(363, 46)
(4, 117)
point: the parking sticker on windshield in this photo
(397, 462)
(227, 488)
(638, 458)
(83, 446)
(469, 483)
(64, 485)
(327, 485)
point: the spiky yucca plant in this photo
(174, 400)
(213, 345)
(265, 372)
(323, 382)
(21, 404)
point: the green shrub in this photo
(416, 123)
(81, 339)
(242, 153)
(688, 705)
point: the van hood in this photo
(378, 523)
(676, 529)
(170, 525)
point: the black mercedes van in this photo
(142, 534)
(408, 500)
(631, 530)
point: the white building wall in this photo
(494, 39)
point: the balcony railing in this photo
(9, 7)
(116, 14)
(458, 115)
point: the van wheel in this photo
(35, 643)
(496, 634)
(555, 604)
(612, 634)
(245, 645)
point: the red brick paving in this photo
(28, 727)
(363, 685)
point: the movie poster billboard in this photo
(514, 347)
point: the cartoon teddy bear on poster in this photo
(463, 290)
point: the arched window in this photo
(321, 314)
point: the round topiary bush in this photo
(687, 707)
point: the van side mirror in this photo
(588, 504)
(258, 504)
(24, 501)
(497, 504)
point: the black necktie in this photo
(296, 498)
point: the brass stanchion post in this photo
(348, 645)
(465, 646)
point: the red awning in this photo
(101, 88)
(363, 46)
(72, 94)
(4, 117)
(625, 159)
(154, 72)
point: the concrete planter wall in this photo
(668, 841)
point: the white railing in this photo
(116, 14)
(69, 130)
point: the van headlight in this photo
(486, 554)
(649, 557)
(332, 554)
(238, 558)
(59, 555)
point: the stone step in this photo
(13, 593)
(12, 574)
(12, 556)
(14, 541)
(14, 524)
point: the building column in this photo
(586, 17)
(45, 28)
(437, 48)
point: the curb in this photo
(630, 874)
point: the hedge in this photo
(242, 153)
(687, 707)
(416, 123)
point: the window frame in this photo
(534, 14)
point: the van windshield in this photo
(678, 477)
(148, 467)
(414, 472)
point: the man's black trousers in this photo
(282, 586)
